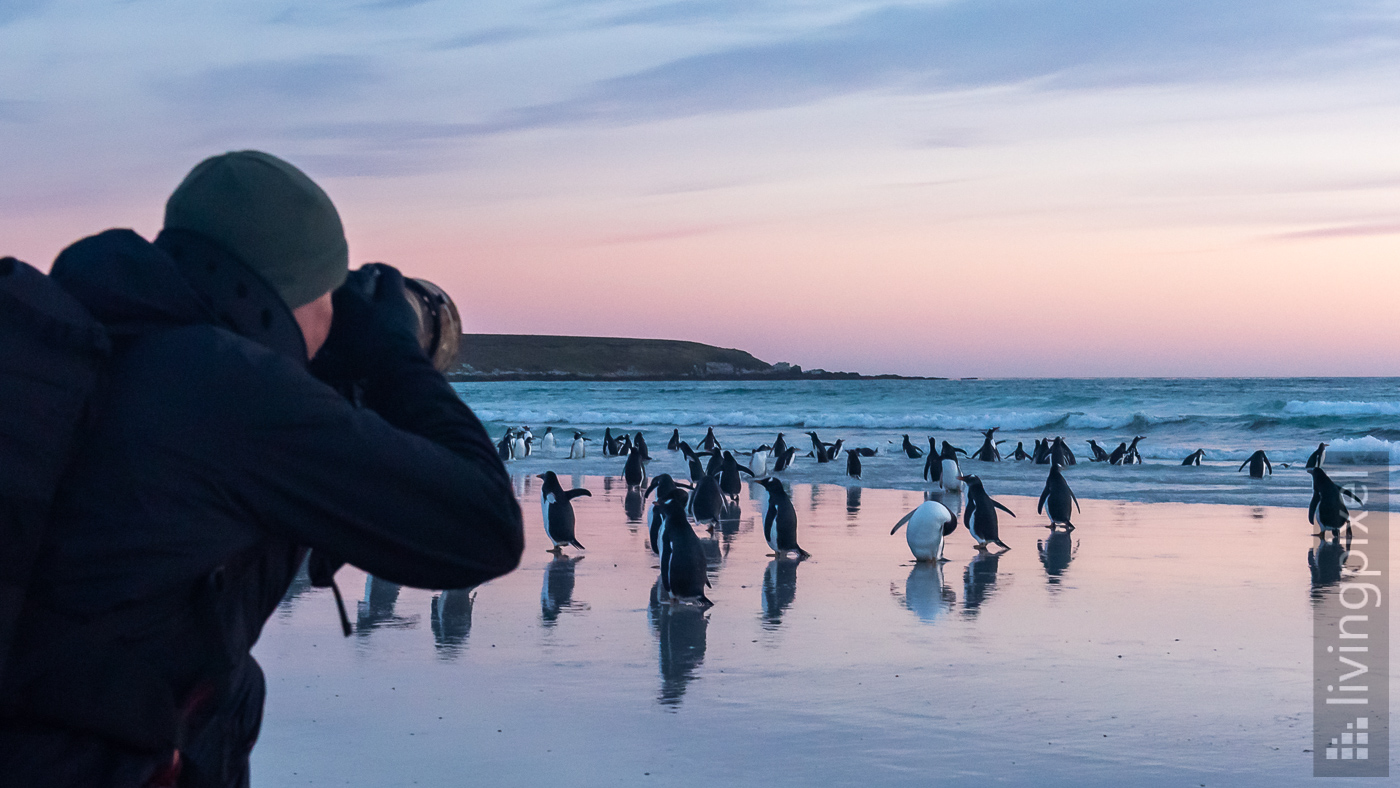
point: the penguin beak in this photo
(539, 476)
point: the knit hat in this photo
(270, 216)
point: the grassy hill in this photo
(514, 356)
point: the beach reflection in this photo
(377, 608)
(852, 503)
(632, 505)
(926, 594)
(680, 630)
(1325, 562)
(978, 580)
(452, 619)
(779, 589)
(1056, 551)
(557, 594)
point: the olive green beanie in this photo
(270, 216)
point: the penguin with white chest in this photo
(950, 475)
(558, 511)
(980, 516)
(1056, 499)
(663, 485)
(1327, 510)
(780, 521)
(683, 570)
(577, 450)
(547, 441)
(1257, 462)
(928, 523)
(634, 472)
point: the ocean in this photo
(1228, 417)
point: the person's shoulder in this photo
(215, 363)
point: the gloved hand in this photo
(373, 326)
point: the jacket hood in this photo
(135, 287)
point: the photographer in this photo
(215, 457)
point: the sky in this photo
(951, 188)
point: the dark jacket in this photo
(213, 461)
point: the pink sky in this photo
(1072, 196)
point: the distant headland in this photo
(484, 357)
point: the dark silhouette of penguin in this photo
(1327, 510)
(632, 505)
(779, 589)
(785, 459)
(635, 471)
(1041, 454)
(710, 443)
(1116, 458)
(1194, 458)
(1020, 454)
(1056, 552)
(988, 452)
(624, 445)
(980, 516)
(558, 511)
(715, 463)
(1257, 462)
(1056, 499)
(949, 450)
(731, 480)
(505, 446)
(1316, 459)
(1061, 455)
(780, 446)
(1097, 452)
(609, 443)
(979, 580)
(683, 575)
(1132, 457)
(557, 594)
(933, 466)
(853, 456)
(780, 521)
(674, 443)
(707, 504)
(578, 449)
(680, 631)
(641, 443)
(1326, 562)
(914, 452)
(451, 615)
(822, 451)
(663, 485)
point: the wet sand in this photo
(1157, 644)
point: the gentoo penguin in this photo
(914, 452)
(1056, 498)
(948, 476)
(1257, 462)
(1020, 454)
(505, 447)
(928, 523)
(715, 463)
(635, 471)
(520, 446)
(1194, 458)
(1041, 454)
(529, 439)
(675, 442)
(1061, 455)
(1327, 510)
(759, 461)
(623, 445)
(609, 443)
(1132, 457)
(710, 443)
(780, 446)
(641, 443)
(1118, 454)
(1099, 455)
(980, 517)
(988, 452)
(663, 485)
(707, 505)
(853, 464)
(1316, 459)
(683, 575)
(780, 521)
(933, 466)
(820, 450)
(731, 480)
(547, 442)
(577, 451)
(785, 459)
(558, 512)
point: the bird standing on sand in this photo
(980, 516)
(558, 511)
(929, 523)
(1056, 499)
(683, 575)
(1327, 510)
(780, 521)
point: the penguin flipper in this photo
(1040, 507)
(1350, 494)
(569, 495)
(1312, 508)
(1003, 508)
(575, 543)
(902, 521)
(1001, 544)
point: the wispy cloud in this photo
(313, 78)
(1342, 231)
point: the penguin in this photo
(1061, 455)
(558, 512)
(914, 452)
(1194, 458)
(780, 521)
(547, 442)
(710, 443)
(624, 445)
(929, 523)
(1055, 554)
(785, 459)
(980, 516)
(1316, 459)
(505, 446)
(635, 471)
(1056, 498)
(1327, 510)
(674, 443)
(520, 446)
(780, 446)
(609, 443)
(697, 471)
(948, 477)
(988, 452)
(759, 460)
(683, 572)
(707, 504)
(731, 480)
(933, 466)
(822, 451)
(715, 463)
(1020, 454)
(1116, 457)
(1257, 462)
(1041, 454)
(1132, 457)
(529, 439)
(853, 464)
(577, 450)
(1099, 455)
(641, 443)
(663, 485)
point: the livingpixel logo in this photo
(1354, 742)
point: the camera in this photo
(439, 325)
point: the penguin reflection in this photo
(729, 514)
(558, 591)
(1056, 552)
(681, 630)
(925, 593)
(632, 505)
(852, 502)
(1325, 562)
(377, 608)
(452, 618)
(978, 579)
(779, 589)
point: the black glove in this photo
(373, 327)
